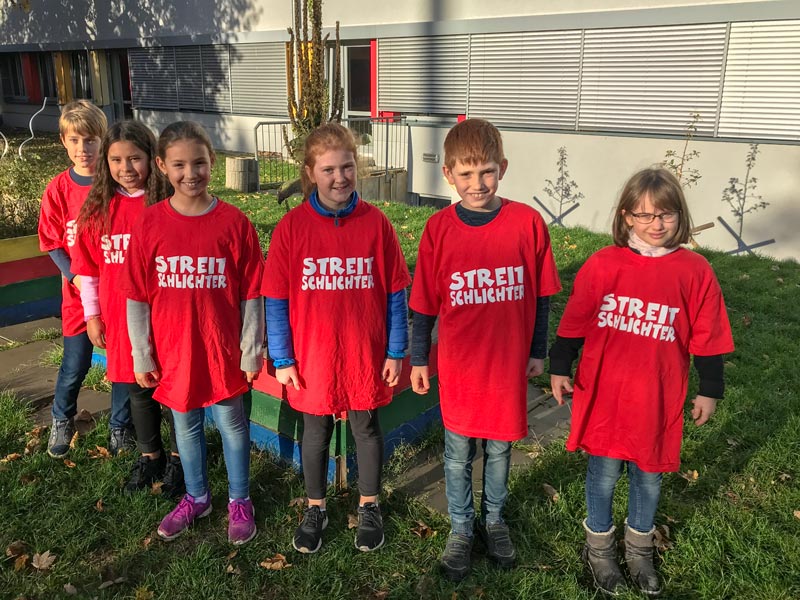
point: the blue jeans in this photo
(120, 406)
(644, 490)
(190, 434)
(74, 366)
(459, 452)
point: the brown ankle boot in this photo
(600, 555)
(639, 558)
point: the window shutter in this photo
(216, 78)
(258, 79)
(761, 96)
(423, 75)
(525, 78)
(190, 83)
(153, 78)
(651, 79)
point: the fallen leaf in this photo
(32, 445)
(69, 463)
(43, 561)
(231, 570)
(21, 562)
(105, 584)
(352, 521)
(796, 514)
(147, 541)
(232, 555)
(300, 501)
(276, 563)
(100, 452)
(733, 442)
(16, 548)
(144, 594)
(84, 415)
(422, 530)
(155, 489)
(744, 276)
(99, 506)
(70, 589)
(747, 320)
(775, 268)
(779, 280)
(12, 457)
(690, 476)
(784, 477)
(74, 440)
(551, 492)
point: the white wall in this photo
(601, 164)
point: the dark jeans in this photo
(120, 406)
(317, 432)
(147, 414)
(74, 366)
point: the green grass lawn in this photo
(733, 528)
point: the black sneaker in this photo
(456, 556)
(498, 543)
(173, 486)
(121, 440)
(144, 473)
(369, 535)
(61, 433)
(308, 536)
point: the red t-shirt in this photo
(482, 282)
(61, 203)
(337, 277)
(103, 256)
(641, 317)
(194, 272)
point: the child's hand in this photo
(96, 330)
(704, 407)
(535, 367)
(391, 371)
(288, 375)
(560, 384)
(251, 375)
(419, 380)
(147, 380)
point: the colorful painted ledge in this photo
(30, 284)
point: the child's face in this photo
(476, 184)
(334, 174)
(82, 150)
(187, 164)
(129, 165)
(657, 233)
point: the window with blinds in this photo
(153, 80)
(425, 75)
(528, 79)
(761, 95)
(651, 79)
(258, 79)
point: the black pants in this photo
(146, 416)
(317, 432)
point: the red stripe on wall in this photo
(26, 269)
(373, 78)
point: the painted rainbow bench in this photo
(30, 284)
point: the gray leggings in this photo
(317, 432)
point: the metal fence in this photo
(381, 145)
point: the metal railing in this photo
(381, 145)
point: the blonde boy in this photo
(485, 268)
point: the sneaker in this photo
(144, 473)
(498, 543)
(241, 522)
(308, 536)
(183, 515)
(369, 535)
(61, 434)
(456, 556)
(121, 440)
(172, 485)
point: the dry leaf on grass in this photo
(297, 502)
(155, 488)
(12, 457)
(74, 440)
(352, 521)
(231, 570)
(380, 595)
(733, 442)
(276, 563)
(43, 561)
(796, 514)
(661, 539)
(69, 463)
(21, 562)
(99, 506)
(690, 476)
(422, 530)
(100, 452)
(147, 541)
(551, 492)
(70, 589)
(232, 555)
(143, 594)
(16, 548)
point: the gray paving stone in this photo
(23, 332)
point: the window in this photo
(11, 78)
(81, 75)
(358, 79)
(47, 75)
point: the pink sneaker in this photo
(183, 515)
(241, 522)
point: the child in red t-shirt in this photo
(196, 323)
(81, 126)
(337, 324)
(485, 268)
(639, 308)
(127, 180)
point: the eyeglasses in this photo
(647, 218)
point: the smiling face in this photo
(129, 165)
(187, 164)
(657, 233)
(476, 184)
(82, 150)
(334, 174)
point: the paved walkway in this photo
(21, 371)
